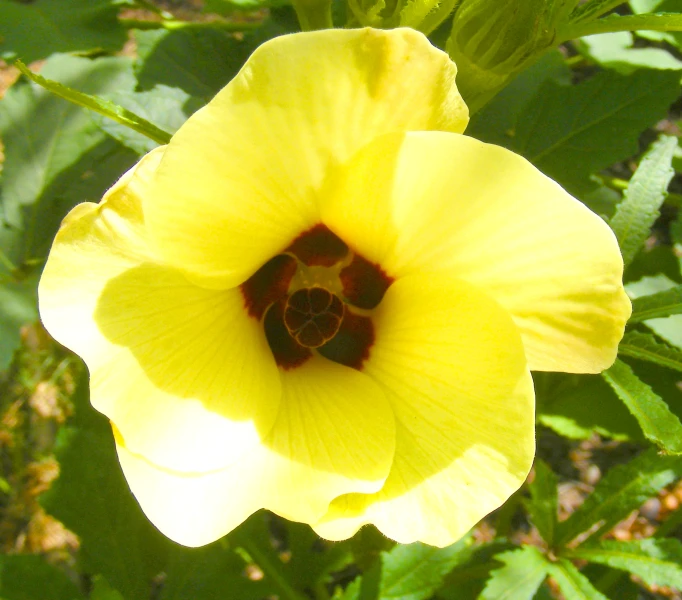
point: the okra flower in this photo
(321, 299)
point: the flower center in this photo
(313, 316)
(317, 296)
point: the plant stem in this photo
(314, 14)
(593, 10)
(272, 570)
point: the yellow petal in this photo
(184, 373)
(446, 202)
(239, 181)
(334, 435)
(451, 361)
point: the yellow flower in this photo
(321, 299)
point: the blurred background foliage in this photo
(600, 515)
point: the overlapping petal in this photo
(334, 435)
(446, 202)
(182, 371)
(240, 180)
(452, 364)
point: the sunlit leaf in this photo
(416, 571)
(654, 306)
(644, 346)
(658, 423)
(523, 572)
(643, 198)
(655, 561)
(623, 489)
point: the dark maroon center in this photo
(299, 320)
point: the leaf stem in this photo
(173, 25)
(98, 105)
(616, 23)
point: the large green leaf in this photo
(543, 503)
(496, 122)
(655, 561)
(572, 583)
(198, 61)
(523, 572)
(658, 423)
(645, 346)
(30, 577)
(45, 136)
(30, 31)
(55, 157)
(654, 306)
(591, 125)
(623, 489)
(92, 499)
(643, 198)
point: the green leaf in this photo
(572, 583)
(668, 328)
(18, 306)
(468, 578)
(623, 489)
(30, 577)
(312, 560)
(658, 423)
(616, 51)
(591, 125)
(38, 29)
(524, 571)
(496, 122)
(168, 108)
(644, 346)
(99, 105)
(101, 590)
(45, 137)
(543, 503)
(655, 561)
(92, 499)
(208, 573)
(200, 62)
(614, 23)
(416, 571)
(584, 406)
(654, 306)
(55, 157)
(643, 198)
